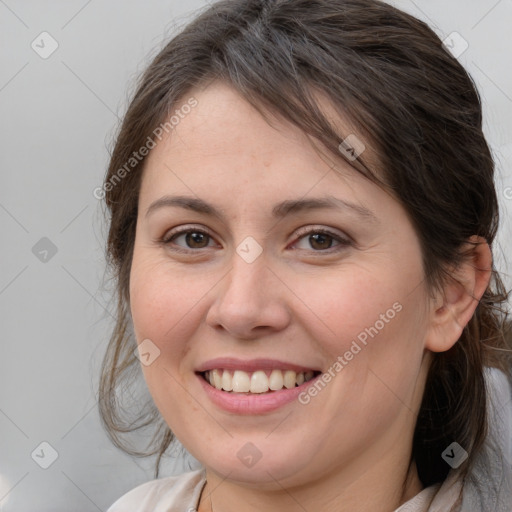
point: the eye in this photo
(190, 239)
(321, 240)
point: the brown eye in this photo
(188, 239)
(196, 239)
(321, 241)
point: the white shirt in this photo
(182, 493)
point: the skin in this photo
(349, 448)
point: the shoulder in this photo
(489, 485)
(173, 493)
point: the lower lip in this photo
(240, 403)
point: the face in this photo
(294, 286)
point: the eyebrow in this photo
(279, 211)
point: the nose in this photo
(250, 301)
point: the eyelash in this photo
(302, 233)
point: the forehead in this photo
(225, 124)
(224, 145)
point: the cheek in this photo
(165, 309)
(354, 305)
(166, 305)
(368, 324)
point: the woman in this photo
(302, 214)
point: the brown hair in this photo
(390, 75)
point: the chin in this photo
(260, 463)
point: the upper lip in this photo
(251, 365)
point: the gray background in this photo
(58, 116)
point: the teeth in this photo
(289, 379)
(217, 379)
(276, 381)
(257, 382)
(227, 381)
(241, 382)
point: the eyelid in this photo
(343, 238)
(167, 240)
(186, 228)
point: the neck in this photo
(383, 486)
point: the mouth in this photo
(257, 386)
(256, 382)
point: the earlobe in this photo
(455, 304)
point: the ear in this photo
(454, 305)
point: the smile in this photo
(256, 382)
(259, 386)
